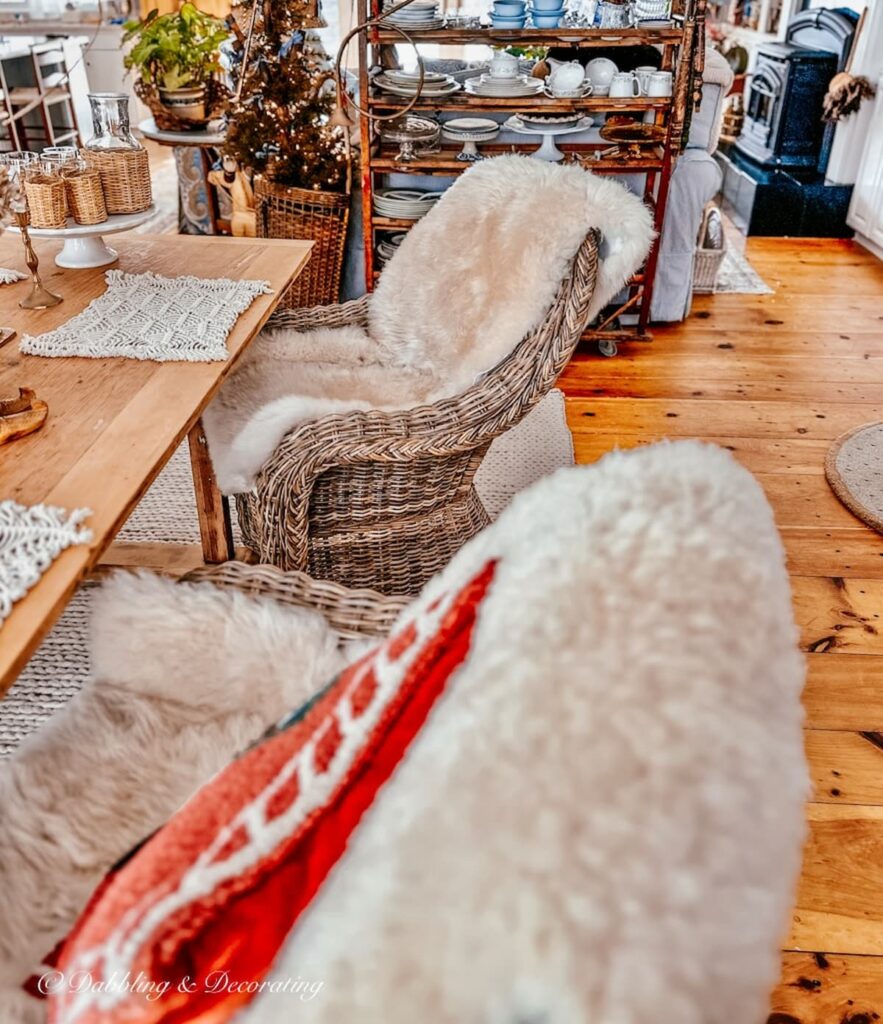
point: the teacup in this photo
(644, 72)
(546, 5)
(565, 76)
(509, 8)
(559, 94)
(659, 84)
(624, 84)
(599, 72)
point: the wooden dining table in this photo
(114, 423)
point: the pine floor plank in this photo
(818, 988)
(838, 907)
(855, 552)
(661, 417)
(757, 454)
(837, 614)
(844, 691)
(846, 767)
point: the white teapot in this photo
(565, 76)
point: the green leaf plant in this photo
(175, 51)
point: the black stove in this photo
(774, 173)
(783, 110)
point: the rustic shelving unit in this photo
(683, 52)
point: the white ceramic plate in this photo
(486, 89)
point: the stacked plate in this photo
(387, 247)
(418, 15)
(404, 83)
(404, 203)
(504, 88)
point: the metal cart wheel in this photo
(607, 347)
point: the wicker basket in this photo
(710, 249)
(85, 197)
(125, 178)
(217, 99)
(283, 211)
(47, 203)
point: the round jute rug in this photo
(854, 467)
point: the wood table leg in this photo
(212, 506)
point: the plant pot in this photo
(186, 104)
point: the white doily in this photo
(30, 541)
(144, 316)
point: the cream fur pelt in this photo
(470, 280)
(183, 678)
(601, 821)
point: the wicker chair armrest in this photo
(342, 315)
(352, 614)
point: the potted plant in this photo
(177, 55)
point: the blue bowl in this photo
(501, 22)
(509, 8)
(547, 5)
(547, 19)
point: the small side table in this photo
(195, 153)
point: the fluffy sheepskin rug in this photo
(601, 821)
(472, 278)
(184, 677)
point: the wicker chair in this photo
(352, 614)
(383, 500)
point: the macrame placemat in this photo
(145, 316)
(30, 541)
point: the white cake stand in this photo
(83, 243)
(548, 150)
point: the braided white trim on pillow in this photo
(145, 316)
(30, 541)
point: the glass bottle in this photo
(110, 122)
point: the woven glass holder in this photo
(125, 178)
(47, 201)
(85, 197)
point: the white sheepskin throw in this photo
(184, 677)
(601, 821)
(471, 279)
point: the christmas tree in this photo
(278, 120)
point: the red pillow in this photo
(222, 884)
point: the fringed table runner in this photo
(30, 541)
(144, 316)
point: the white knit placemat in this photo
(30, 541)
(145, 316)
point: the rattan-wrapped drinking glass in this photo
(47, 202)
(125, 178)
(85, 196)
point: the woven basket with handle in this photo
(283, 211)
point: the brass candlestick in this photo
(38, 297)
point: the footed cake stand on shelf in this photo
(84, 245)
(548, 150)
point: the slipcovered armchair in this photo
(696, 179)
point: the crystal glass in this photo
(110, 122)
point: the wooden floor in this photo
(775, 379)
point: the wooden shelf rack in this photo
(682, 49)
